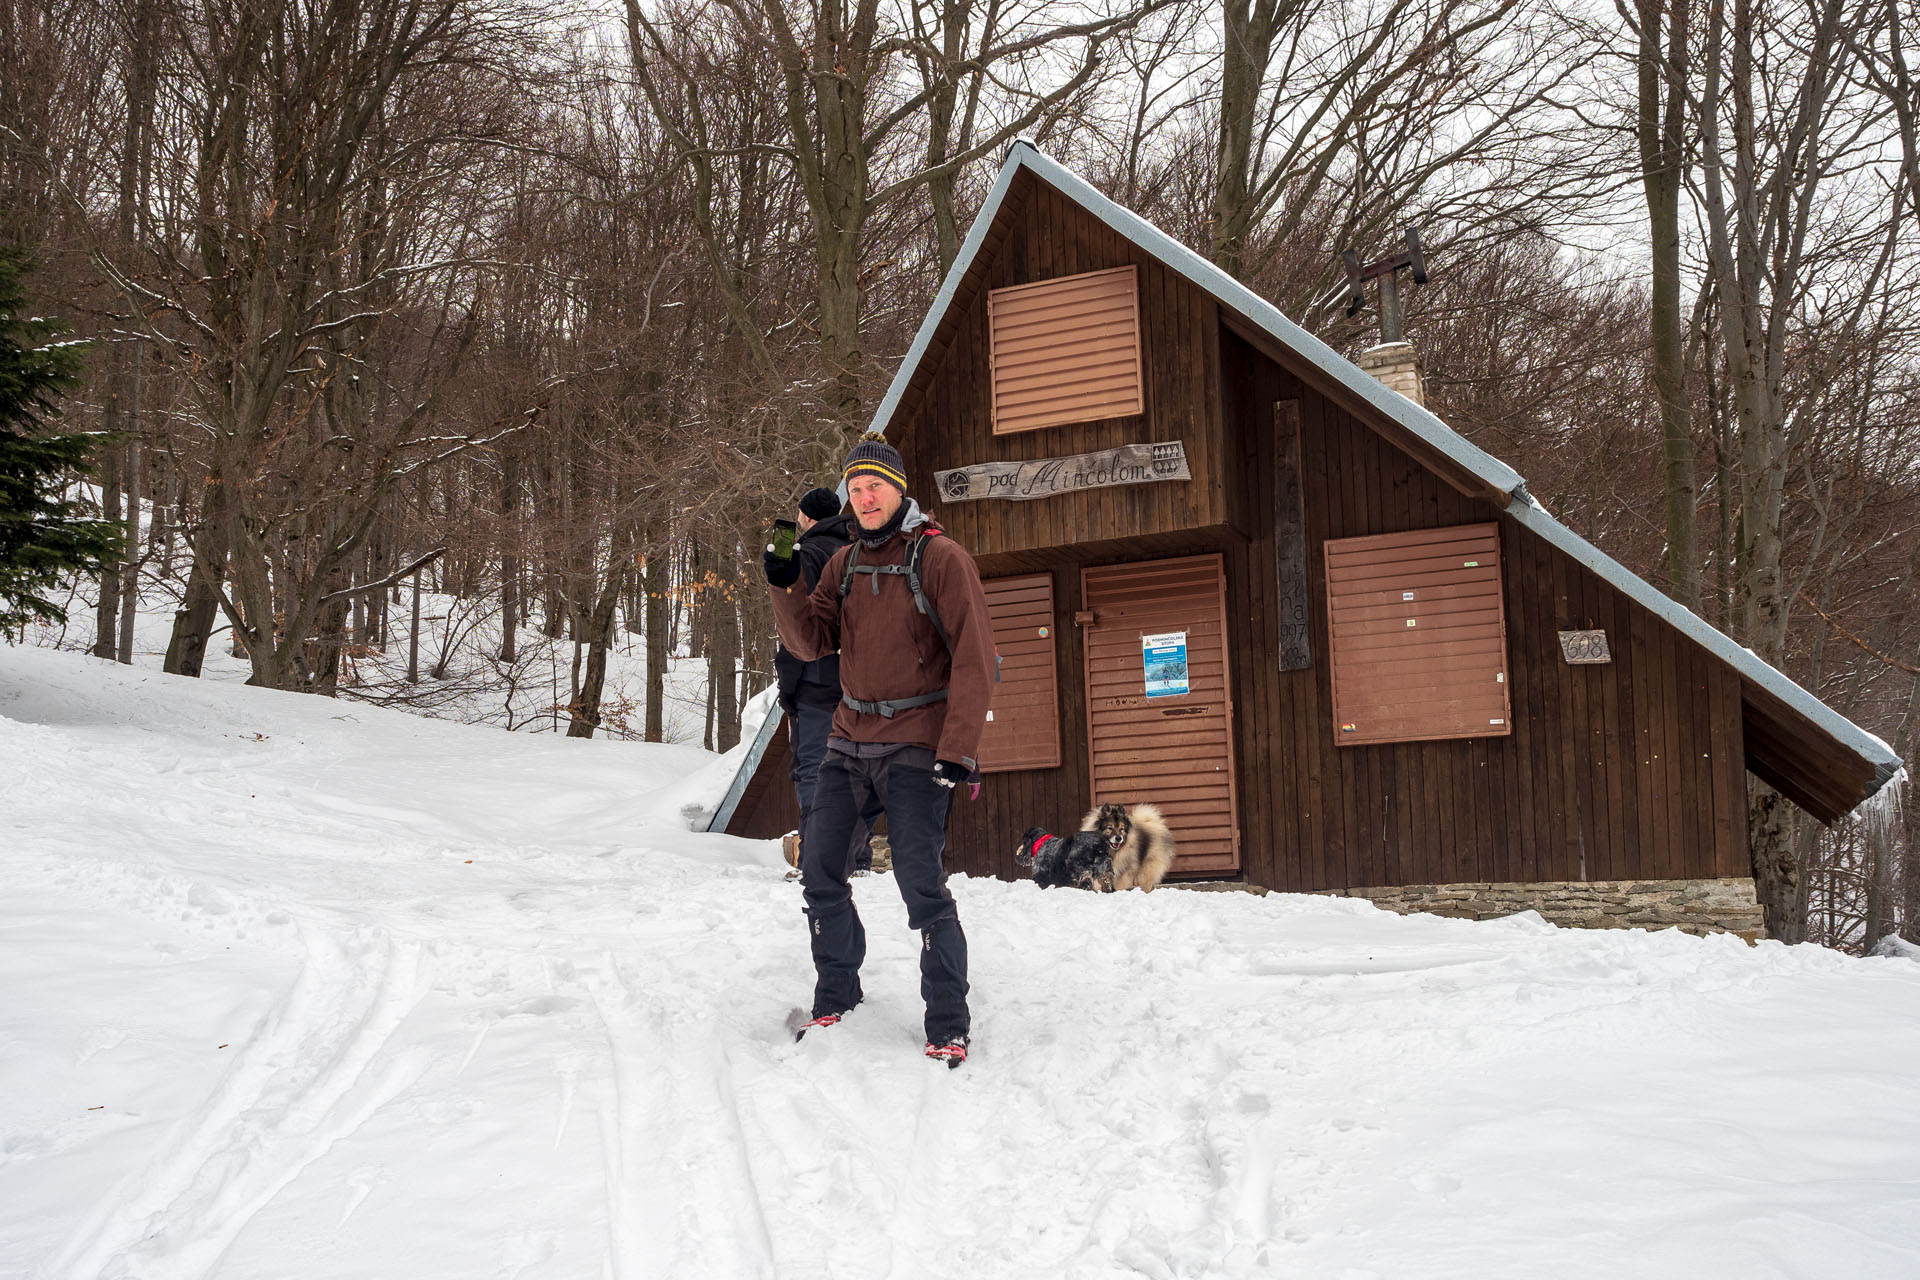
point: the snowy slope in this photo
(294, 988)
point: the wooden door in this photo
(1159, 702)
(1023, 723)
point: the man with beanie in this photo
(916, 669)
(810, 691)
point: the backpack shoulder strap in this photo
(915, 551)
(853, 563)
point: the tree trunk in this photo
(107, 614)
(193, 623)
(1880, 862)
(1662, 76)
(130, 576)
(599, 627)
(413, 635)
(176, 519)
(826, 91)
(1247, 46)
(656, 573)
(330, 636)
(723, 654)
(509, 554)
(839, 300)
(1777, 872)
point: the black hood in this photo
(837, 528)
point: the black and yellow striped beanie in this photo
(873, 456)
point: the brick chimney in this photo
(1397, 366)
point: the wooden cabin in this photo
(1338, 645)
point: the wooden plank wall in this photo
(950, 424)
(1624, 771)
(767, 807)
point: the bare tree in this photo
(1783, 135)
(1362, 113)
(1662, 60)
(845, 117)
(320, 130)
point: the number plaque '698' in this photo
(1581, 647)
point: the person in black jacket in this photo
(809, 691)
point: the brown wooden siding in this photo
(947, 421)
(1023, 726)
(1418, 641)
(1626, 770)
(1065, 350)
(767, 807)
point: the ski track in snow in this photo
(305, 1080)
(681, 1194)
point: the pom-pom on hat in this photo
(820, 504)
(873, 456)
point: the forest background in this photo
(548, 311)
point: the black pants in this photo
(916, 809)
(807, 730)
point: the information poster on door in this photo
(1164, 657)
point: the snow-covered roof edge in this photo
(1531, 515)
(1418, 420)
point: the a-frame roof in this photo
(1819, 758)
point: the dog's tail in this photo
(1146, 815)
(1154, 835)
(1029, 846)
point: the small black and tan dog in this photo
(1078, 861)
(1116, 848)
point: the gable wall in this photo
(1629, 770)
(948, 422)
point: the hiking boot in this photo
(952, 1052)
(820, 1023)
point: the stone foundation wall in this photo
(1695, 906)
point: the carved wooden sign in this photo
(1046, 477)
(1583, 648)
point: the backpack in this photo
(916, 549)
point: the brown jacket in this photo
(889, 650)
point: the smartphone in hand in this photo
(784, 533)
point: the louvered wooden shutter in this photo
(1066, 350)
(1419, 637)
(1175, 752)
(1023, 728)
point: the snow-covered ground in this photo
(293, 988)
